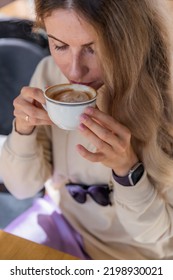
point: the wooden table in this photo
(17, 248)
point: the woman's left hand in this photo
(111, 139)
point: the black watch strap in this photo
(133, 176)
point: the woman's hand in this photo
(29, 111)
(111, 139)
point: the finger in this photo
(102, 137)
(31, 120)
(108, 122)
(35, 122)
(93, 157)
(33, 95)
(94, 139)
(29, 109)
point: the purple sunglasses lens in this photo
(78, 193)
(100, 195)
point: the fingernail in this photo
(83, 117)
(81, 127)
(89, 110)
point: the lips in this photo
(85, 84)
(95, 85)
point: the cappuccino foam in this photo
(72, 96)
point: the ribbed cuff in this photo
(139, 193)
(124, 181)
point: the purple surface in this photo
(43, 223)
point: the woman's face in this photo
(73, 46)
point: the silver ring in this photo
(27, 118)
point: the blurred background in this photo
(17, 8)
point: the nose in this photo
(78, 68)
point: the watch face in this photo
(137, 174)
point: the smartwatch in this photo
(133, 176)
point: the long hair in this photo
(134, 51)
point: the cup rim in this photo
(71, 103)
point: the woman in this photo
(113, 174)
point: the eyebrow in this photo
(51, 36)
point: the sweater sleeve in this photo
(143, 212)
(26, 162)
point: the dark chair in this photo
(20, 52)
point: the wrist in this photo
(132, 177)
(127, 166)
(23, 129)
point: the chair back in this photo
(20, 52)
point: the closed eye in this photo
(60, 48)
(89, 49)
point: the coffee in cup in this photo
(72, 96)
(66, 102)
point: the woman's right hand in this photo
(29, 111)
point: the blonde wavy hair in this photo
(135, 54)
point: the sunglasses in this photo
(99, 193)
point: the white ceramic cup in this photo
(66, 114)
